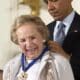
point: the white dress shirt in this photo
(67, 21)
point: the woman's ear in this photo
(45, 42)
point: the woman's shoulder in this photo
(59, 59)
(57, 56)
(13, 61)
(62, 66)
(12, 66)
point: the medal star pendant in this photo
(24, 75)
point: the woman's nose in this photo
(28, 42)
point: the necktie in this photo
(60, 35)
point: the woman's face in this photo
(30, 40)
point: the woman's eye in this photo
(53, 0)
(46, 1)
(22, 40)
(32, 38)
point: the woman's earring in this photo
(44, 41)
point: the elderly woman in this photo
(36, 61)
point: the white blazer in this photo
(52, 67)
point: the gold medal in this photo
(22, 76)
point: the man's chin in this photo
(57, 18)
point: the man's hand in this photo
(55, 47)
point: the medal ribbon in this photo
(23, 60)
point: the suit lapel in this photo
(51, 29)
(68, 45)
(75, 25)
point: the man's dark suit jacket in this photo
(71, 44)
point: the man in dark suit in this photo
(62, 11)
